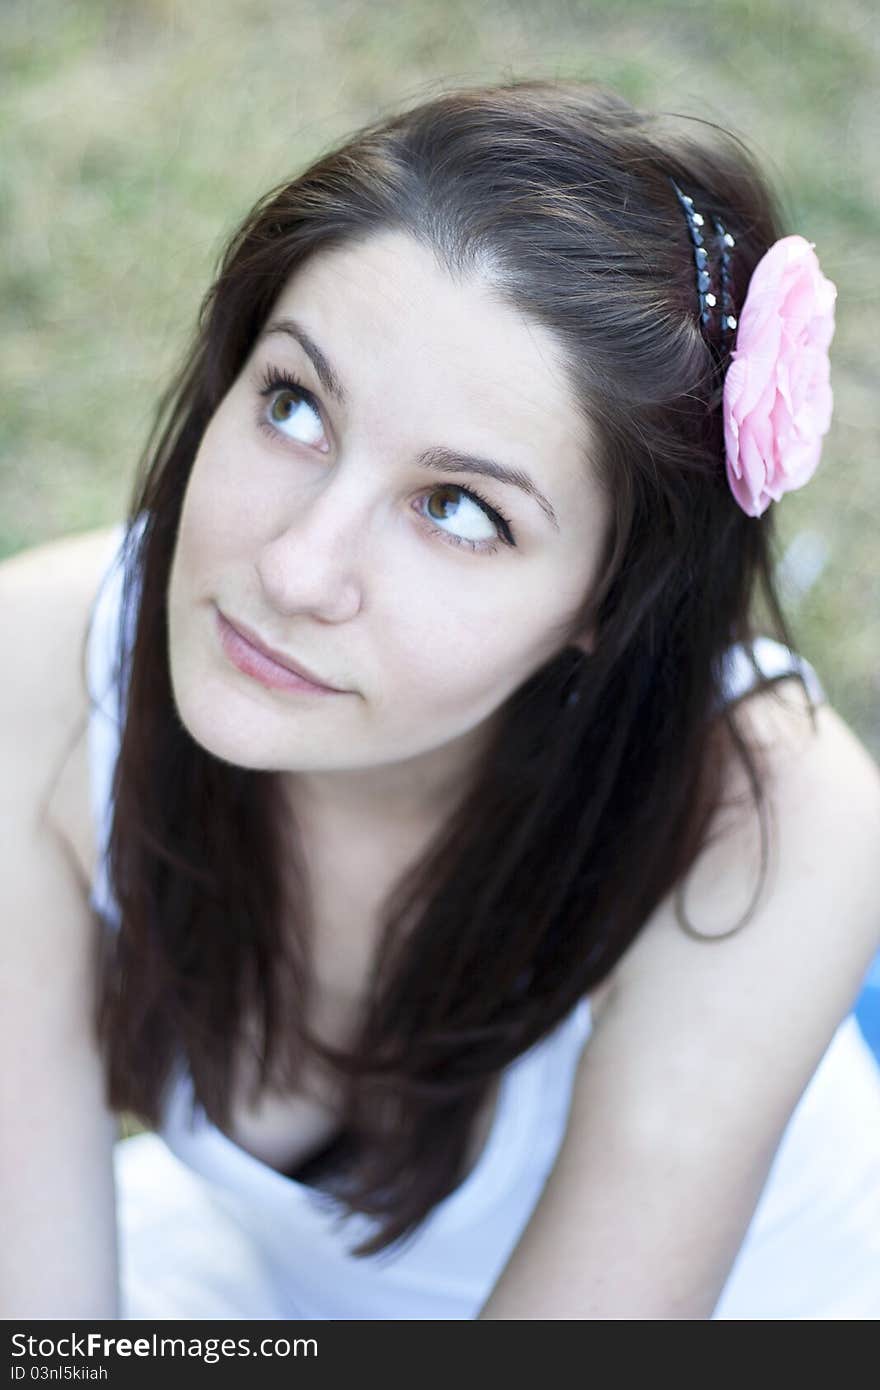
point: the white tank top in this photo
(449, 1268)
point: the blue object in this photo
(867, 1007)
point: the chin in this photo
(220, 720)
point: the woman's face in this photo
(325, 518)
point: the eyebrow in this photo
(437, 457)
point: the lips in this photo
(279, 658)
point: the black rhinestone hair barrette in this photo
(708, 299)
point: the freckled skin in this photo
(320, 537)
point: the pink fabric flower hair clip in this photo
(777, 398)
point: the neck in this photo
(411, 795)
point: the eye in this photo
(478, 525)
(290, 405)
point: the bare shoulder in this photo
(776, 723)
(46, 596)
(821, 789)
(705, 1046)
(771, 957)
(55, 1093)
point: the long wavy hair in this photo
(596, 792)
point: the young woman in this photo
(464, 881)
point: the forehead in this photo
(387, 304)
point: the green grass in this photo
(136, 134)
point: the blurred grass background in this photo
(135, 135)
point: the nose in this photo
(313, 564)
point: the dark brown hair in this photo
(584, 813)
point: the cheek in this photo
(210, 493)
(218, 515)
(446, 661)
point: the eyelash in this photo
(274, 379)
